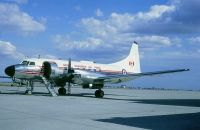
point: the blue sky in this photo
(100, 30)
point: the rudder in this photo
(132, 62)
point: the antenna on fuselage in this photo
(39, 56)
(136, 42)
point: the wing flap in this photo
(161, 72)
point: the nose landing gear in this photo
(29, 88)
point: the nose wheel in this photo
(99, 93)
(28, 92)
(29, 88)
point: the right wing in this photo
(124, 78)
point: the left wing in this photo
(124, 78)
(5, 77)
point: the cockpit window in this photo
(27, 63)
(32, 63)
(24, 62)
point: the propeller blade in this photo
(69, 66)
(70, 69)
(70, 74)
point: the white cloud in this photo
(159, 40)
(181, 54)
(8, 49)
(98, 13)
(170, 54)
(66, 43)
(18, 1)
(114, 31)
(180, 17)
(43, 20)
(97, 27)
(118, 31)
(195, 40)
(155, 12)
(48, 56)
(119, 23)
(14, 20)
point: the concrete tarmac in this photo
(120, 109)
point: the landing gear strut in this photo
(29, 88)
(99, 93)
(63, 91)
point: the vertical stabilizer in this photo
(131, 63)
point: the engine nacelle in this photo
(51, 70)
(93, 86)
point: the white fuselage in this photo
(81, 65)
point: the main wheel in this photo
(99, 93)
(62, 91)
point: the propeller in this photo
(69, 66)
(70, 74)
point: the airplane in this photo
(88, 74)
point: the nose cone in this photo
(10, 70)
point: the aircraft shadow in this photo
(89, 95)
(14, 92)
(23, 93)
(189, 121)
(173, 102)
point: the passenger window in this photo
(32, 63)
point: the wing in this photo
(124, 78)
(4, 77)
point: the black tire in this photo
(62, 91)
(96, 93)
(99, 94)
(28, 92)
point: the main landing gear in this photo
(99, 93)
(62, 91)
